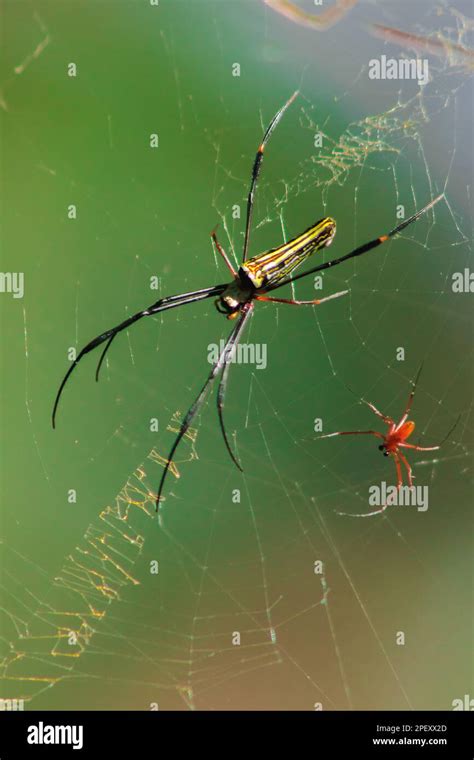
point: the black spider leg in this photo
(171, 298)
(256, 170)
(200, 398)
(450, 431)
(221, 391)
(361, 249)
(170, 302)
(414, 386)
(102, 356)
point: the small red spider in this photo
(394, 440)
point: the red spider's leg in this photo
(410, 400)
(363, 514)
(387, 503)
(390, 499)
(399, 471)
(399, 477)
(387, 420)
(293, 302)
(419, 448)
(408, 469)
(354, 432)
(223, 253)
(430, 448)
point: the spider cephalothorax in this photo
(237, 293)
(397, 436)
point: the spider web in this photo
(250, 591)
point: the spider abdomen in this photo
(406, 430)
(276, 264)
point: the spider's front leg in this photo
(384, 417)
(354, 432)
(163, 304)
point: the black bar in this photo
(217, 733)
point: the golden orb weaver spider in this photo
(255, 279)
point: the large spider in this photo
(255, 278)
(392, 441)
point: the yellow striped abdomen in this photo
(275, 265)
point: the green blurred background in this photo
(85, 623)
